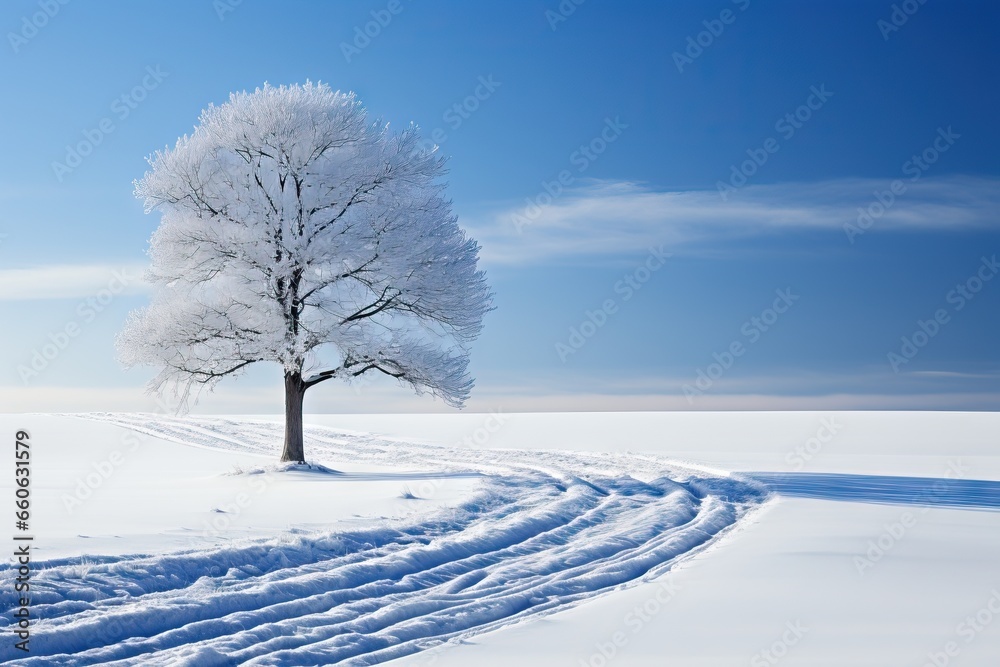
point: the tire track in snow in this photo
(544, 531)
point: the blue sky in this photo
(586, 150)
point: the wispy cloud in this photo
(606, 218)
(70, 281)
(854, 388)
(238, 399)
(261, 393)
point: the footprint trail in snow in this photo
(544, 530)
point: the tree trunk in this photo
(295, 390)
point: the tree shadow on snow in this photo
(885, 489)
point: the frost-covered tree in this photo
(295, 230)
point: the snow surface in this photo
(539, 531)
(197, 549)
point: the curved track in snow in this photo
(544, 530)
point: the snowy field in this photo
(576, 539)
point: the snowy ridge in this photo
(543, 531)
